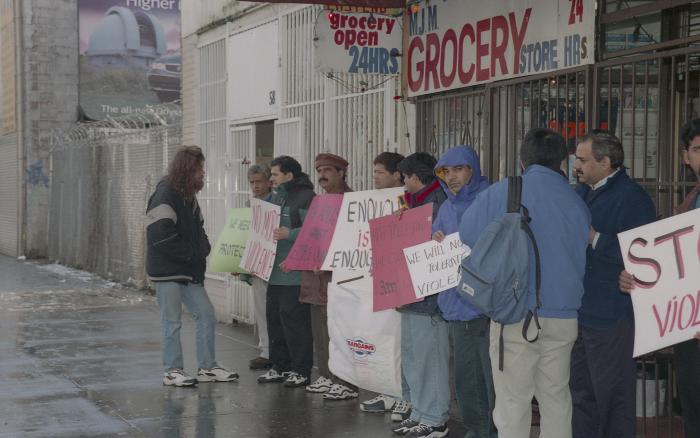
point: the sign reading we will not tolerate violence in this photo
(261, 248)
(664, 258)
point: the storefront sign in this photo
(434, 267)
(311, 246)
(664, 258)
(261, 248)
(351, 247)
(392, 285)
(130, 59)
(228, 250)
(357, 43)
(455, 44)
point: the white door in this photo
(241, 155)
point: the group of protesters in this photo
(580, 370)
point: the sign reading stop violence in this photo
(664, 258)
(454, 43)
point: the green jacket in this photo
(295, 198)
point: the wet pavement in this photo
(80, 356)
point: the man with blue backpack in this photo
(530, 347)
(459, 173)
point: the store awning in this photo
(356, 3)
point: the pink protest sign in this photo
(311, 245)
(392, 285)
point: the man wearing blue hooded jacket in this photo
(459, 173)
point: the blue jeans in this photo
(425, 362)
(473, 380)
(171, 296)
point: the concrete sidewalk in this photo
(80, 356)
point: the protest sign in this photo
(664, 258)
(365, 346)
(434, 266)
(260, 249)
(390, 235)
(226, 254)
(310, 247)
(350, 248)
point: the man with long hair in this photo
(177, 247)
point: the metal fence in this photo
(102, 174)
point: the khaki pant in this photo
(539, 369)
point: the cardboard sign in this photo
(664, 258)
(365, 346)
(260, 249)
(311, 246)
(434, 266)
(456, 43)
(390, 235)
(226, 254)
(351, 246)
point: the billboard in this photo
(455, 44)
(130, 56)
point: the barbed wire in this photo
(151, 120)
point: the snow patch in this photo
(65, 271)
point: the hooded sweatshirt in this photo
(452, 305)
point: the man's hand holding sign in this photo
(662, 262)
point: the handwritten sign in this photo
(664, 258)
(390, 235)
(226, 254)
(434, 266)
(311, 246)
(351, 246)
(260, 249)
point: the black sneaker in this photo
(404, 427)
(272, 376)
(295, 380)
(425, 431)
(260, 363)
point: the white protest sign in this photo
(351, 246)
(434, 266)
(365, 346)
(260, 249)
(664, 258)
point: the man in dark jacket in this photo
(332, 173)
(288, 320)
(603, 372)
(425, 351)
(686, 355)
(177, 247)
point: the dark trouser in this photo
(289, 329)
(603, 382)
(686, 357)
(319, 327)
(473, 381)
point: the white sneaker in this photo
(178, 378)
(379, 404)
(321, 385)
(216, 374)
(401, 411)
(340, 392)
(295, 380)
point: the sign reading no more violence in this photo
(664, 258)
(260, 249)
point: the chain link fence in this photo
(102, 174)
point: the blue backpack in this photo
(495, 275)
